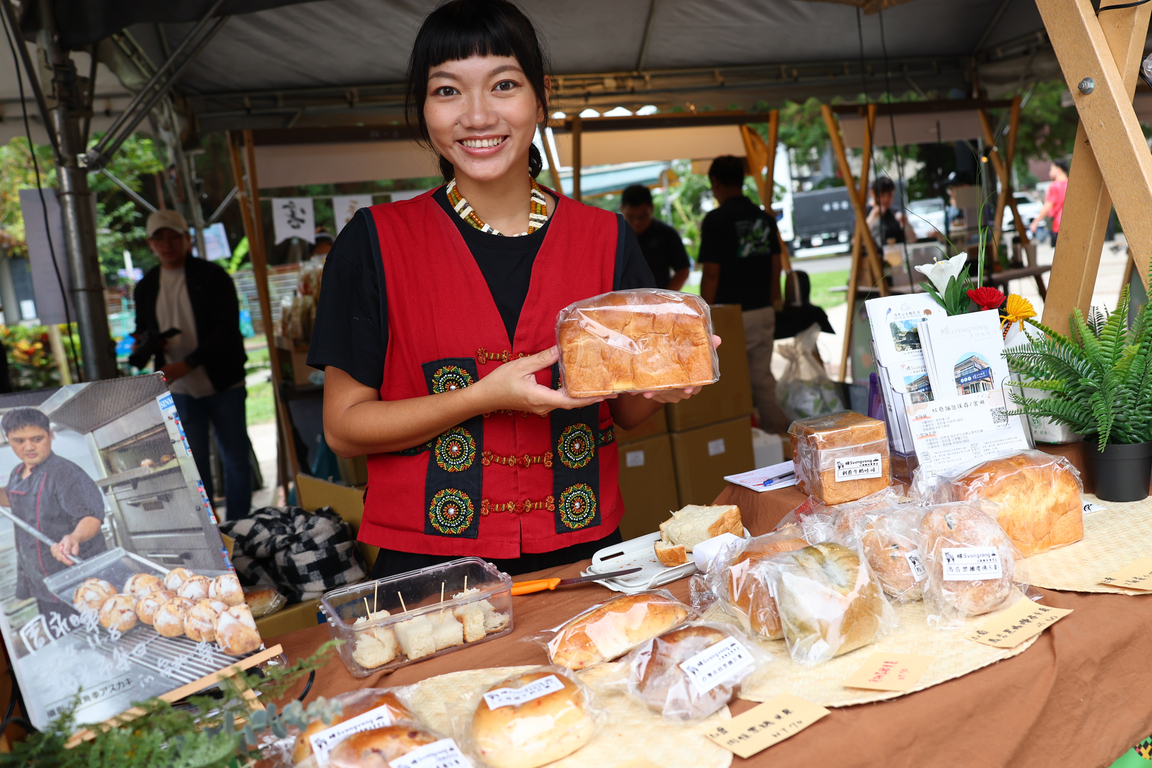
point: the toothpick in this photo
(465, 582)
(376, 597)
(441, 602)
(402, 603)
(367, 609)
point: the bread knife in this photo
(539, 585)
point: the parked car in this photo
(926, 217)
(1029, 210)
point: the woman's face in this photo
(482, 115)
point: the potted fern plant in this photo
(1099, 383)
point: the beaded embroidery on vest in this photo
(537, 214)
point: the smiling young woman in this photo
(436, 324)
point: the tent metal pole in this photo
(78, 210)
(222, 207)
(129, 191)
(577, 156)
(553, 167)
(30, 70)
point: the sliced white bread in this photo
(692, 525)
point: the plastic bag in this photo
(383, 747)
(530, 719)
(609, 630)
(694, 670)
(743, 587)
(382, 706)
(890, 539)
(1037, 497)
(820, 522)
(805, 389)
(636, 341)
(970, 561)
(830, 603)
(840, 458)
(264, 601)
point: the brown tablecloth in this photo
(1079, 697)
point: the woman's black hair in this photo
(463, 28)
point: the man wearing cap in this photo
(204, 362)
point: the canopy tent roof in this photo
(278, 63)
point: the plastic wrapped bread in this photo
(387, 705)
(610, 630)
(636, 341)
(742, 583)
(841, 457)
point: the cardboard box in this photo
(294, 617)
(647, 483)
(294, 361)
(729, 397)
(312, 493)
(702, 457)
(656, 424)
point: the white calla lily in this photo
(941, 272)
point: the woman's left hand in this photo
(676, 395)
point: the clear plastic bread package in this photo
(891, 541)
(636, 341)
(839, 522)
(743, 585)
(609, 630)
(1037, 497)
(417, 615)
(361, 710)
(829, 601)
(401, 745)
(530, 719)
(970, 561)
(693, 670)
(840, 457)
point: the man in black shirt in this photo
(883, 222)
(661, 244)
(740, 253)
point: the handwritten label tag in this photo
(514, 697)
(1137, 575)
(859, 467)
(324, 741)
(716, 664)
(890, 672)
(1016, 624)
(972, 563)
(916, 564)
(767, 724)
(439, 754)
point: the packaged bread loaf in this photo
(531, 719)
(693, 670)
(840, 522)
(829, 602)
(692, 525)
(610, 630)
(743, 585)
(383, 707)
(380, 747)
(890, 539)
(840, 457)
(636, 341)
(1037, 497)
(970, 562)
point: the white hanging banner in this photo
(293, 217)
(343, 208)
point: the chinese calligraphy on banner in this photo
(293, 217)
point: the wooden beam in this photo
(770, 173)
(853, 278)
(553, 166)
(1088, 202)
(577, 155)
(1003, 173)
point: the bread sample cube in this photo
(377, 646)
(446, 631)
(416, 637)
(841, 457)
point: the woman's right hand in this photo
(513, 387)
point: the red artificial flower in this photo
(986, 298)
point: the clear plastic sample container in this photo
(417, 615)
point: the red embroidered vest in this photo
(503, 483)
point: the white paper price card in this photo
(971, 563)
(1015, 624)
(769, 723)
(438, 754)
(859, 467)
(916, 565)
(716, 664)
(514, 697)
(324, 741)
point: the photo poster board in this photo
(115, 452)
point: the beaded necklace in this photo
(537, 214)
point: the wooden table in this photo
(1081, 696)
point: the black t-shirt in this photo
(351, 328)
(743, 240)
(664, 251)
(890, 228)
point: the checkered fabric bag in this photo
(302, 554)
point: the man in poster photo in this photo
(55, 496)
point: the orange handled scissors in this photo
(539, 585)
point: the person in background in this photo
(883, 221)
(323, 242)
(55, 496)
(661, 244)
(1053, 199)
(740, 253)
(204, 362)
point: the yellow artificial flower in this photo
(1017, 310)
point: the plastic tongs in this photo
(539, 585)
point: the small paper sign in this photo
(438, 754)
(767, 724)
(1016, 624)
(1090, 507)
(324, 741)
(1137, 575)
(859, 467)
(716, 664)
(916, 565)
(972, 563)
(514, 697)
(890, 672)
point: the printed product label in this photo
(859, 467)
(716, 664)
(716, 447)
(440, 754)
(916, 564)
(971, 563)
(324, 741)
(514, 697)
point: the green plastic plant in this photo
(1098, 378)
(203, 732)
